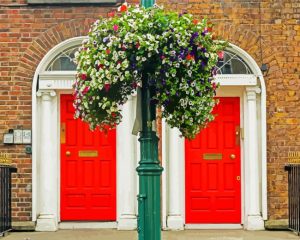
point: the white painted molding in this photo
(254, 219)
(175, 177)
(56, 80)
(64, 80)
(236, 79)
(46, 95)
(126, 164)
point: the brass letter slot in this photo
(212, 156)
(63, 133)
(92, 153)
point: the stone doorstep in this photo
(269, 225)
(23, 226)
(281, 224)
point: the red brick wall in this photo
(269, 30)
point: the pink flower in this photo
(107, 87)
(83, 76)
(221, 54)
(116, 27)
(134, 85)
(111, 14)
(214, 86)
(85, 90)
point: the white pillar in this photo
(175, 162)
(126, 159)
(47, 218)
(254, 218)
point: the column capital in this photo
(251, 92)
(46, 94)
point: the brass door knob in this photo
(68, 153)
(238, 178)
(232, 156)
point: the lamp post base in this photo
(149, 171)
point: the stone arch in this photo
(46, 41)
(249, 40)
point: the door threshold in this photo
(213, 226)
(86, 225)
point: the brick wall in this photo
(269, 30)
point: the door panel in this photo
(88, 169)
(213, 187)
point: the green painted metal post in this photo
(147, 3)
(149, 169)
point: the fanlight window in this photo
(63, 61)
(232, 64)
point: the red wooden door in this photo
(88, 169)
(213, 186)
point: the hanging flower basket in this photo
(178, 51)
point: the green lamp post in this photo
(149, 169)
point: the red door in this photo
(213, 168)
(88, 169)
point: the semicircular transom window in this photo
(64, 61)
(232, 64)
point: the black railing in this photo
(294, 196)
(5, 198)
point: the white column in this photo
(175, 162)
(47, 172)
(254, 218)
(126, 160)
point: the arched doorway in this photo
(58, 163)
(199, 178)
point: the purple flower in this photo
(105, 40)
(204, 32)
(166, 103)
(214, 71)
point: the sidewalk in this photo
(108, 234)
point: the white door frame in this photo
(251, 90)
(50, 85)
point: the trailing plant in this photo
(178, 51)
